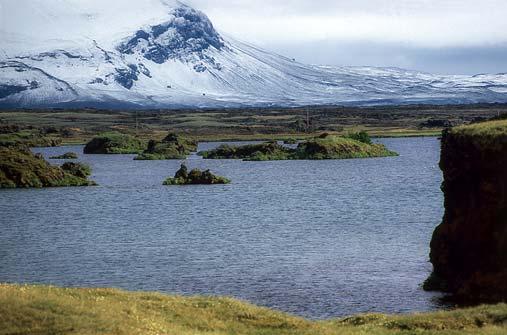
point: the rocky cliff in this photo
(469, 248)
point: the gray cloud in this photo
(451, 36)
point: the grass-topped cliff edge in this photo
(468, 248)
(50, 310)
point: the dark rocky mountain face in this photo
(189, 32)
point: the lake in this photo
(319, 239)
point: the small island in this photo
(20, 168)
(68, 155)
(195, 177)
(173, 146)
(326, 146)
(114, 143)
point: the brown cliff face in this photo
(469, 248)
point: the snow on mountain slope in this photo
(162, 53)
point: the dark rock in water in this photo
(68, 155)
(114, 143)
(469, 248)
(173, 146)
(195, 177)
(20, 168)
(77, 169)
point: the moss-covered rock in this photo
(20, 168)
(195, 177)
(335, 147)
(68, 155)
(322, 147)
(251, 152)
(114, 143)
(172, 147)
(469, 248)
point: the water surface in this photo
(316, 238)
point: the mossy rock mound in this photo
(68, 155)
(20, 168)
(322, 147)
(172, 147)
(29, 138)
(195, 177)
(251, 152)
(114, 143)
(336, 147)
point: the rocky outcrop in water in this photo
(469, 248)
(195, 177)
(20, 168)
(173, 146)
(114, 143)
(68, 155)
(322, 147)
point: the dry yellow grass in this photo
(51, 310)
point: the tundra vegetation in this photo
(173, 146)
(78, 126)
(50, 310)
(29, 137)
(114, 143)
(195, 177)
(20, 168)
(323, 147)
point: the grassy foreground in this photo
(51, 310)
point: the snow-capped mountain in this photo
(162, 53)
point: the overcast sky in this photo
(442, 36)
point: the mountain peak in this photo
(188, 31)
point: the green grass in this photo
(49, 310)
(492, 134)
(489, 129)
(31, 138)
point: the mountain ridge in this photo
(171, 56)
